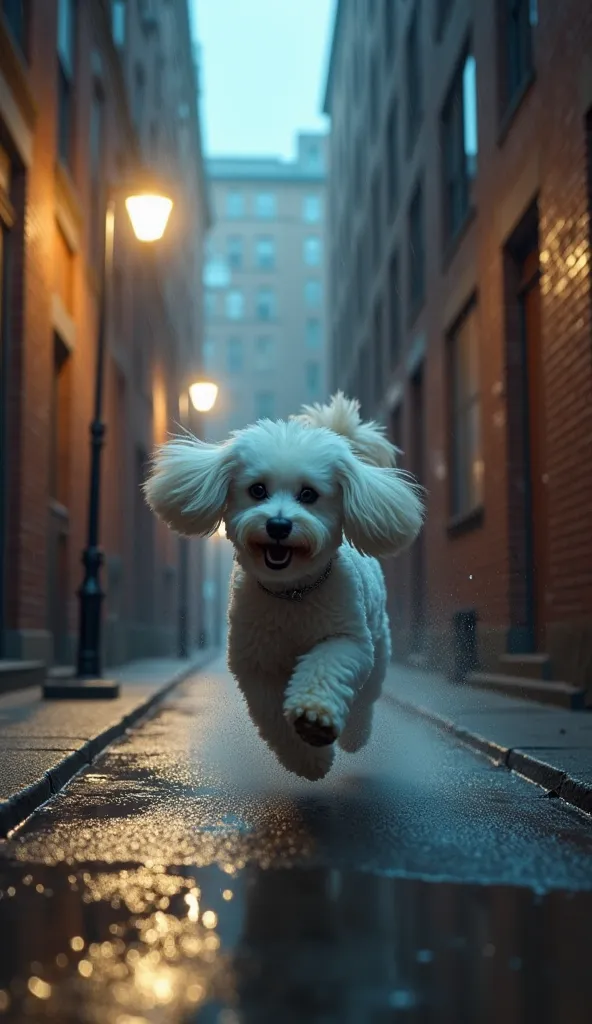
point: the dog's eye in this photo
(307, 496)
(258, 491)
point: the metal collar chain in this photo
(297, 593)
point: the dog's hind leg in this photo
(358, 728)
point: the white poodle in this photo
(309, 505)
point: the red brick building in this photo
(87, 92)
(461, 194)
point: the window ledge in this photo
(465, 522)
(454, 243)
(514, 106)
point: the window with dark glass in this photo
(265, 304)
(413, 76)
(265, 252)
(518, 19)
(442, 12)
(16, 14)
(416, 257)
(459, 146)
(234, 252)
(466, 455)
(66, 57)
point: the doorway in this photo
(527, 456)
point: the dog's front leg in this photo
(323, 686)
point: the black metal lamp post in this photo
(149, 211)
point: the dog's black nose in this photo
(278, 529)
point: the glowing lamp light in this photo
(149, 214)
(203, 395)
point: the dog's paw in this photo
(316, 730)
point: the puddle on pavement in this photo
(131, 944)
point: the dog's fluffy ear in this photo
(342, 416)
(188, 484)
(382, 508)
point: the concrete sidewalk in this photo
(43, 743)
(549, 746)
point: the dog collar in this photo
(297, 593)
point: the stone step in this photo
(530, 666)
(17, 675)
(562, 695)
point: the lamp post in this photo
(149, 211)
(202, 394)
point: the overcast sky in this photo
(263, 71)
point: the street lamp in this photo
(149, 210)
(203, 395)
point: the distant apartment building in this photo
(265, 284)
(460, 297)
(88, 93)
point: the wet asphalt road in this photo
(187, 877)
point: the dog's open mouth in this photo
(277, 556)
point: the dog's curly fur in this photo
(310, 670)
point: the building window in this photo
(459, 146)
(235, 304)
(265, 253)
(416, 257)
(441, 16)
(264, 405)
(313, 334)
(16, 14)
(394, 311)
(234, 252)
(234, 355)
(389, 26)
(311, 209)
(96, 169)
(235, 205)
(313, 379)
(413, 77)
(392, 159)
(266, 304)
(466, 456)
(312, 251)
(66, 56)
(376, 220)
(518, 19)
(118, 21)
(264, 353)
(312, 294)
(265, 205)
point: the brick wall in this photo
(154, 326)
(532, 160)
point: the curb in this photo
(557, 783)
(18, 808)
